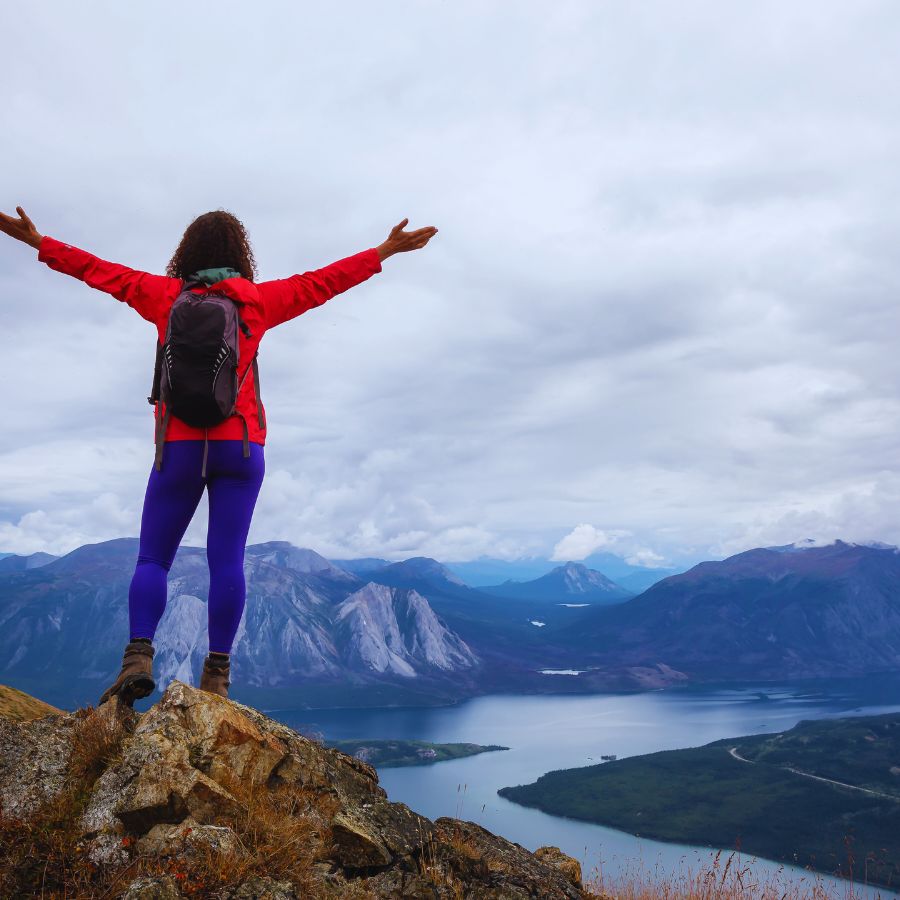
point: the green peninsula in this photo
(385, 754)
(825, 794)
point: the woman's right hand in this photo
(22, 229)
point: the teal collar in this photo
(212, 276)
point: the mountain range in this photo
(795, 611)
(307, 622)
(487, 571)
(371, 632)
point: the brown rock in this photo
(260, 887)
(36, 754)
(34, 761)
(185, 837)
(502, 869)
(185, 771)
(568, 865)
(152, 888)
(356, 845)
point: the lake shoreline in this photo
(778, 811)
(890, 681)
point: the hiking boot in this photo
(216, 669)
(136, 678)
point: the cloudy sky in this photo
(660, 316)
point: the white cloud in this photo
(663, 296)
(645, 557)
(583, 540)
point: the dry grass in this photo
(726, 878)
(22, 707)
(281, 832)
(435, 868)
(43, 857)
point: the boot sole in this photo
(135, 687)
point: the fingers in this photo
(9, 225)
(410, 240)
(10, 222)
(417, 244)
(398, 228)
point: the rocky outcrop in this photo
(203, 796)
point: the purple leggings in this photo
(233, 482)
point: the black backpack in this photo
(196, 372)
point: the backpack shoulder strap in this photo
(162, 422)
(157, 374)
(259, 409)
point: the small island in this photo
(825, 794)
(384, 754)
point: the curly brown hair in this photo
(214, 239)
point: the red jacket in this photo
(265, 305)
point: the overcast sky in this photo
(660, 316)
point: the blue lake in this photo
(561, 731)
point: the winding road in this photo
(852, 787)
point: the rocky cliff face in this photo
(202, 796)
(394, 630)
(63, 625)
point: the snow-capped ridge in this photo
(820, 543)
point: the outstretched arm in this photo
(288, 298)
(150, 295)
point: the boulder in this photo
(503, 868)
(568, 865)
(152, 888)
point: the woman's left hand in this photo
(22, 229)
(400, 241)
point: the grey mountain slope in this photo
(361, 566)
(571, 582)
(795, 612)
(15, 563)
(422, 568)
(286, 555)
(390, 629)
(64, 625)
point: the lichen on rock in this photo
(205, 793)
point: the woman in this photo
(226, 459)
